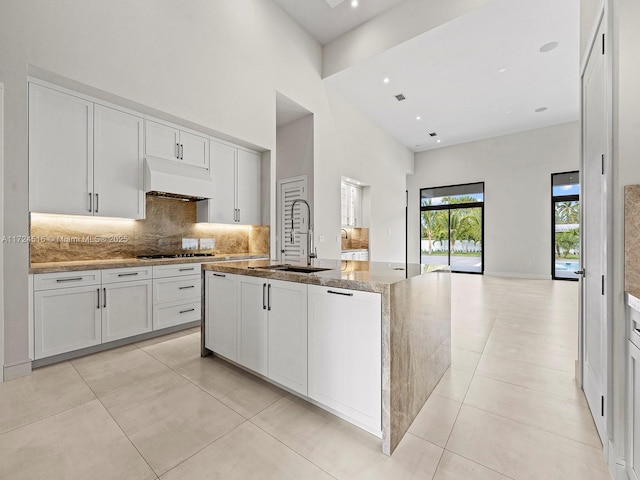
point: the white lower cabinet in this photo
(126, 309)
(177, 291)
(252, 323)
(221, 293)
(344, 361)
(66, 319)
(633, 463)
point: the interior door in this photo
(593, 301)
(290, 190)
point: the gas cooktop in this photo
(174, 255)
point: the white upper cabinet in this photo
(118, 169)
(84, 158)
(236, 193)
(60, 152)
(351, 205)
(173, 143)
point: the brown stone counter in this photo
(416, 326)
(52, 267)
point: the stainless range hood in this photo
(173, 179)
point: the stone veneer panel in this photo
(632, 239)
(59, 238)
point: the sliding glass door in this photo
(451, 221)
(565, 217)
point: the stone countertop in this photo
(53, 267)
(350, 250)
(353, 274)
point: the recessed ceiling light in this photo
(438, 141)
(354, 3)
(502, 70)
(547, 47)
(385, 80)
(541, 109)
(418, 117)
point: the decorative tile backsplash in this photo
(632, 239)
(169, 227)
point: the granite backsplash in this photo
(632, 238)
(357, 238)
(169, 227)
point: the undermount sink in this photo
(294, 268)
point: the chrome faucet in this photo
(346, 235)
(311, 253)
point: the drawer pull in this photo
(264, 290)
(190, 286)
(74, 279)
(104, 290)
(269, 297)
(219, 275)
(187, 269)
(187, 311)
(98, 306)
(132, 274)
(340, 293)
(637, 330)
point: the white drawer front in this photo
(49, 281)
(170, 314)
(161, 271)
(633, 302)
(114, 275)
(172, 289)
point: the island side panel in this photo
(420, 346)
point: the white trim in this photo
(2, 376)
(18, 369)
(530, 276)
(617, 466)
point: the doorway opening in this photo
(452, 227)
(565, 218)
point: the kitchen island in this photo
(389, 326)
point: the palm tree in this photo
(433, 225)
(567, 212)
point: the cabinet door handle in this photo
(97, 203)
(132, 274)
(187, 311)
(178, 151)
(74, 279)
(98, 292)
(90, 202)
(219, 275)
(104, 303)
(190, 286)
(264, 303)
(181, 152)
(187, 269)
(238, 215)
(269, 297)
(340, 293)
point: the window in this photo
(452, 227)
(565, 231)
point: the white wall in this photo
(517, 172)
(215, 63)
(398, 24)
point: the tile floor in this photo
(507, 408)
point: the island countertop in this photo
(354, 274)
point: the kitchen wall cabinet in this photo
(221, 326)
(261, 324)
(170, 142)
(344, 365)
(236, 192)
(177, 292)
(84, 158)
(351, 205)
(67, 312)
(125, 303)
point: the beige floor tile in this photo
(246, 453)
(547, 412)
(339, 448)
(505, 349)
(169, 419)
(79, 444)
(464, 359)
(175, 352)
(436, 419)
(521, 451)
(468, 341)
(117, 368)
(243, 392)
(455, 467)
(161, 339)
(561, 344)
(545, 326)
(537, 378)
(47, 391)
(454, 384)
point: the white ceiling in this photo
(450, 75)
(326, 23)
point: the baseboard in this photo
(17, 369)
(529, 276)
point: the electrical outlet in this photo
(321, 238)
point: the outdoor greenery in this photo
(567, 243)
(465, 224)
